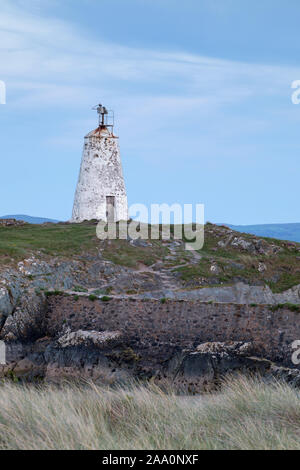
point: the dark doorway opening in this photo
(110, 208)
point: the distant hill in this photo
(29, 219)
(281, 231)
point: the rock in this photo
(96, 339)
(6, 306)
(27, 322)
(206, 367)
(239, 242)
(225, 243)
(140, 243)
(236, 347)
(264, 248)
(11, 222)
(214, 269)
(254, 246)
(262, 267)
(24, 368)
(291, 376)
(235, 265)
(239, 293)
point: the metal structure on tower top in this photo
(106, 117)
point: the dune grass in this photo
(246, 414)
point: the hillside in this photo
(281, 231)
(289, 232)
(29, 219)
(110, 310)
(227, 258)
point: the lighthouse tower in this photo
(101, 192)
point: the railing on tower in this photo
(106, 116)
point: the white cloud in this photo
(47, 63)
(63, 65)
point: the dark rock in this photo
(11, 223)
(205, 368)
(28, 321)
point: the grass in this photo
(93, 297)
(64, 239)
(53, 293)
(287, 280)
(246, 414)
(80, 289)
(284, 266)
(124, 254)
(288, 306)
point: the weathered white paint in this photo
(101, 175)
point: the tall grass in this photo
(246, 414)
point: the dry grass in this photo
(247, 414)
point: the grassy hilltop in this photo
(226, 257)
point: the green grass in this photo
(287, 281)
(288, 306)
(53, 293)
(93, 297)
(105, 298)
(193, 271)
(246, 414)
(80, 289)
(66, 240)
(283, 265)
(124, 254)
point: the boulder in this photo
(11, 222)
(205, 367)
(6, 306)
(96, 339)
(27, 322)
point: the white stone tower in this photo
(101, 192)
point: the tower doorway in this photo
(110, 208)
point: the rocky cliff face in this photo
(67, 335)
(110, 310)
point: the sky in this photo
(201, 91)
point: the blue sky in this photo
(201, 91)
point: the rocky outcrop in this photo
(11, 223)
(6, 307)
(107, 358)
(97, 339)
(88, 316)
(154, 328)
(205, 367)
(253, 246)
(239, 293)
(27, 322)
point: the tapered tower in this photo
(101, 192)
